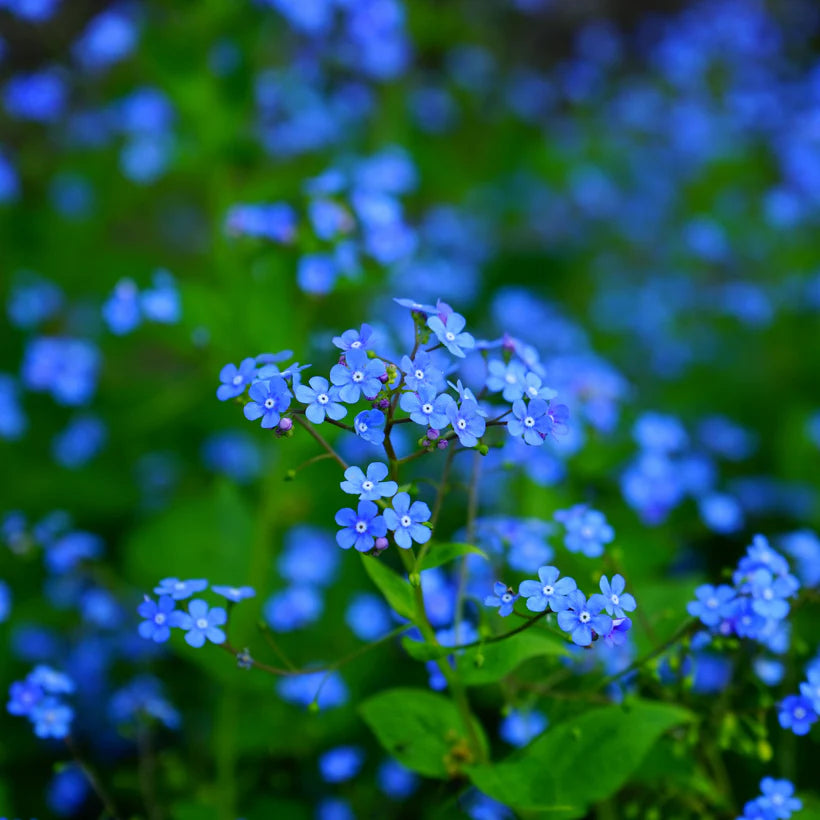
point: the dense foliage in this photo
(409, 409)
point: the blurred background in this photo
(632, 189)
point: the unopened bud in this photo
(285, 424)
(384, 378)
(383, 404)
(433, 434)
(483, 449)
(381, 544)
(443, 444)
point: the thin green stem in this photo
(312, 431)
(93, 780)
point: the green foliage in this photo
(440, 554)
(396, 590)
(421, 729)
(580, 761)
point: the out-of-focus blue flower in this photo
(340, 764)
(180, 590)
(721, 513)
(65, 552)
(660, 433)
(141, 699)
(9, 180)
(368, 616)
(293, 608)
(51, 718)
(40, 96)
(13, 422)
(712, 604)
(66, 368)
(160, 303)
(235, 594)
(587, 530)
(520, 726)
(121, 311)
(396, 780)
(108, 38)
(317, 273)
(72, 196)
(233, 453)
(34, 11)
(310, 556)
(276, 222)
(5, 601)
(83, 439)
(327, 690)
(804, 547)
(797, 713)
(67, 791)
(32, 300)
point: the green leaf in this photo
(396, 590)
(490, 662)
(608, 745)
(421, 651)
(419, 728)
(440, 554)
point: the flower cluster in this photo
(200, 623)
(602, 615)
(40, 697)
(777, 801)
(757, 603)
(799, 712)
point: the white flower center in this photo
(356, 345)
(461, 424)
(450, 336)
(587, 531)
(427, 408)
(237, 379)
(406, 521)
(584, 617)
(269, 403)
(362, 427)
(768, 594)
(800, 713)
(615, 599)
(367, 485)
(234, 591)
(202, 623)
(361, 527)
(712, 603)
(159, 619)
(548, 590)
(510, 378)
(533, 391)
(506, 597)
(419, 374)
(357, 375)
(323, 398)
(777, 799)
(529, 421)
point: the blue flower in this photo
(361, 528)
(355, 339)
(768, 594)
(503, 598)
(371, 486)
(51, 718)
(426, 408)
(520, 726)
(235, 594)
(534, 388)
(778, 800)
(294, 607)
(51, 680)
(269, 399)
(179, 590)
(467, 422)
(587, 530)
(531, 421)
(201, 623)
(235, 379)
(406, 520)
(368, 616)
(797, 713)
(811, 688)
(713, 604)
(395, 780)
(159, 618)
(24, 695)
(582, 618)
(321, 400)
(369, 425)
(357, 375)
(507, 377)
(421, 371)
(449, 332)
(616, 602)
(340, 764)
(547, 591)
(327, 690)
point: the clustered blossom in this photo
(200, 623)
(777, 801)
(40, 698)
(602, 615)
(799, 712)
(587, 530)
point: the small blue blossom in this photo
(51, 718)
(159, 618)
(235, 379)
(426, 408)
(531, 421)
(421, 371)
(520, 726)
(407, 521)
(615, 601)
(51, 680)
(797, 713)
(179, 590)
(395, 780)
(534, 388)
(713, 604)
(811, 688)
(582, 618)
(778, 801)
(506, 377)
(370, 486)
(23, 697)
(269, 399)
(357, 375)
(467, 422)
(768, 594)
(235, 594)
(294, 608)
(341, 764)
(450, 332)
(369, 425)
(503, 598)
(360, 528)
(547, 591)
(201, 623)
(321, 400)
(587, 530)
(355, 339)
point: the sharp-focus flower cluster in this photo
(40, 697)
(602, 615)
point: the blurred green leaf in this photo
(440, 554)
(396, 590)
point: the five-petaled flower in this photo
(269, 399)
(583, 618)
(503, 597)
(235, 379)
(548, 590)
(426, 408)
(321, 400)
(357, 375)
(360, 527)
(370, 486)
(202, 623)
(407, 521)
(467, 422)
(179, 590)
(450, 332)
(615, 601)
(369, 425)
(159, 616)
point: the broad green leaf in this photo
(440, 554)
(396, 590)
(419, 728)
(492, 661)
(581, 761)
